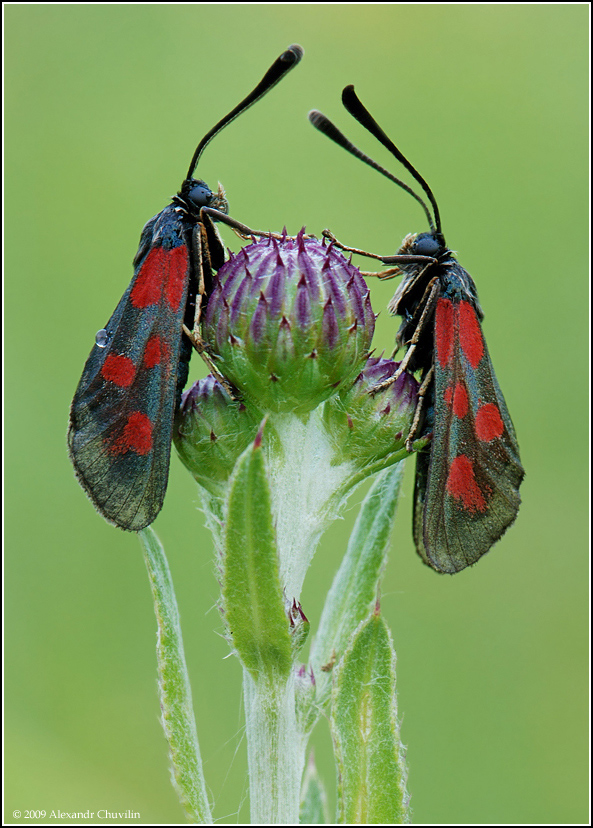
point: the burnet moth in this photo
(467, 479)
(121, 417)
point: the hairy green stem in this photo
(177, 713)
(276, 749)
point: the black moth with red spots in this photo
(121, 418)
(467, 480)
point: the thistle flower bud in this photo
(211, 431)
(370, 425)
(289, 322)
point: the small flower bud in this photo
(369, 425)
(298, 625)
(211, 431)
(289, 322)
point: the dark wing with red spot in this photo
(122, 413)
(467, 493)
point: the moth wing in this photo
(122, 413)
(467, 494)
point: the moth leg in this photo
(427, 304)
(200, 261)
(195, 339)
(242, 230)
(327, 234)
(200, 346)
(390, 273)
(197, 315)
(202, 267)
(419, 408)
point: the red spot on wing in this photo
(470, 334)
(148, 286)
(119, 370)
(444, 326)
(176, 276)
(153, 352)
(462, 485)
(136, 435)
(489, 424)
(460, 400)
(163, 276)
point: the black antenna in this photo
(275, 73)
(354, 106)
(324, 125)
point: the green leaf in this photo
(314, 810)
(177, 714)
(355, 586)
(369, 755)
(253, 603)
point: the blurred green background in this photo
(104, 107)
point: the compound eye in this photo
(426, 245)
(200, 195)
